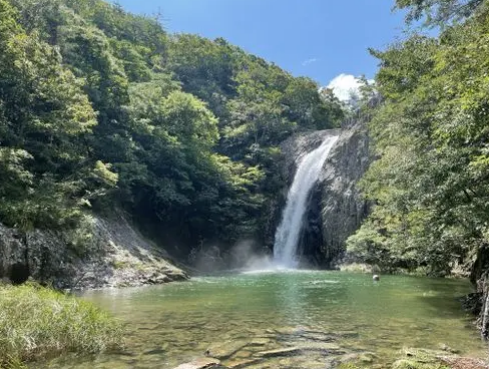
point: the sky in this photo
(325, 40)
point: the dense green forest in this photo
(430, 134)
(101, 109)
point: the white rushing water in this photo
(288, 233)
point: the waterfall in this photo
(288, 233)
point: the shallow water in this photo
(250, 313)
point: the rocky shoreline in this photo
(307, 348)
(115, 255)
(310, 348)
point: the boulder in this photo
(225, 350)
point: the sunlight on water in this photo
(242, 315)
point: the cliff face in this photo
(342, 208)
(336, 209)
(114, 254)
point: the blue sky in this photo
(320, 39)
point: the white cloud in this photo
(346, 87)
(305, 63)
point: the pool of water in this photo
(323, 316)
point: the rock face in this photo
(115, 255)
(336, 209)
(342, 208)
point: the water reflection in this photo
(171, 324)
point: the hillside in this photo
(101, 108)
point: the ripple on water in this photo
(288, 319)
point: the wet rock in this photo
(347, 334)
(243, 354)
(117, 255)
(336, 208)
(225, 350)
(323, 347)
(289, 351)
(157, 351)
(348, 358)
(316, 336)
(203, 363)
(259, 342)
(445, 347)
(359, 358)
(241, 363)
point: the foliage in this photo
(44, 119)
(36, 322)
(100, 106)
(429, 185)
(438, 12)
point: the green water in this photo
(251, 313)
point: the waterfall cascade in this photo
(288, 233)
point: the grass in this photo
(39, 323)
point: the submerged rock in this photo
(289, 351)
(347, 334)
(259, 342)
(242, 363)
(358, 358)
(323, 347)
(203, 363)
(225, 350)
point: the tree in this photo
(45, 121)
(430, 137)
(438, 12)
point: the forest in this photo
(428, 183)
(101, 109)
(105, 112)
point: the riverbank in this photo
(409, 359)
(37, 323)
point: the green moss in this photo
(419, 359)
(120, 264)
(414, 364)
(37, 323)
